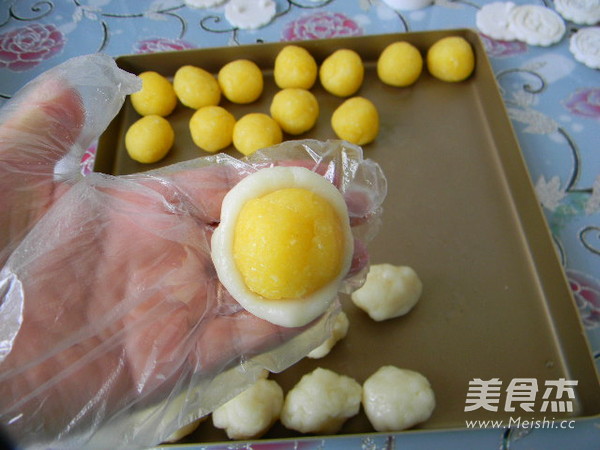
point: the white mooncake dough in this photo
(339, 332)
(492, 20)
(585, 46)
(536, 25)
(321, 402)
(583, 12)
(250, 414)
(395, 399)
(184, 431)
(389, 291)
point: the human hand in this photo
(121, 308)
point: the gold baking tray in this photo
(461, 211)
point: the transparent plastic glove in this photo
(114, 329)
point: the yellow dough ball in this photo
(241, 81)
(149, 139)
(268, 263)
(451, 59)
(195, 87)
(356, 121)
(342, 73)
(155, 97)
(254, 131)
(295, 110)
(295, 67)
(211, 128)
(399, 64)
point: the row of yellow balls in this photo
(293, 109)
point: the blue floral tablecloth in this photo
(553, 100)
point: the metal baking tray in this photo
(461, 211)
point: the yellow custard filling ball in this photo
(241, 81)
(288, 243)
(254, 131)
(211, 128)
(356, 121)
(451, 59)
(295, 110)
(149, 139)
(399, 64)
(342, 73)
(195, 87)
(155, 97)
(295, 67)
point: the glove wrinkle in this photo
(114, 328)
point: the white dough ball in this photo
(321, 402)
(389, 291)
(339, 331)
(395, 399)
(250, 414)
(184, 431)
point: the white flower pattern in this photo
(593, 204)
(536, 121)
(549, 193)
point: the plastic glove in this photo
(114, 329)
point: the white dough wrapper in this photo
(339, 332)
(250, 14)
(582, 12)
(585, 46)
(536, 25)
(492, 20)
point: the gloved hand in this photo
(114, 329)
